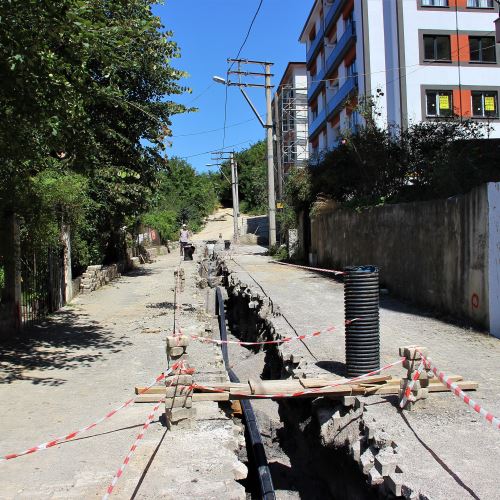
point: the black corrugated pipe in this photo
(258, 452)
(362, 339)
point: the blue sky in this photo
(210, 31)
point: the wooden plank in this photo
(311, 383)
(197, 396)
(225, 386)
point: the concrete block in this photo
(394, 483)
(381, 440)
(178, 341)
(239, 470)
(177, 391)
(182, 357)
(179, 402)
(349, 401)
(385, 462)
(374, 477)
(367, 461)
(176, 414)
(410, 352)
(179, 379)
(355, 451)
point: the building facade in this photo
(419, 60)
(290, 121)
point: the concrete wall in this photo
(437, 253)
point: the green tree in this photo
(252, 178)
(183, 196)
(84, 84)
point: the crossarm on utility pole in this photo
(253, 107)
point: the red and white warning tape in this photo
(72, 435)
(134, 447)
(305, 391)
(263, 342)
(409, 387)
(495, 421)
(310, 268)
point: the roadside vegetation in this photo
(183, 196)
(376, 166)
(83, 119)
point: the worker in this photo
(183, 238)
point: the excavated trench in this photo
(301, 463)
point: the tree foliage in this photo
(375, 166)
(82, 94)
(252, 179)
(183, 196)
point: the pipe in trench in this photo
(258, 452)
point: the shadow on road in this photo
(63, 342)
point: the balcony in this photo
(317, 83)
(317, 123)
(333, 14)
(340, 50)
(315, 46)
(336, 103)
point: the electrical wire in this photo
(248, 141)
(232, 64)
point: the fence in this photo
(42, 282)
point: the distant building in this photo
(429, 58)
(290, 121)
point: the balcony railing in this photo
(317, 123)
(341, 48)
(336, 103)
(315, 45)
(333, 14)
(317, 83)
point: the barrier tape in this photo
(72, 435)
(305, 391)
(132, 450)
(263, 342)
(495, 421)
(310, 268)
(181, 368)
(409, 387)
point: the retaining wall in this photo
(443, 254)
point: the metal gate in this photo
(42, 282)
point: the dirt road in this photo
(85, 361)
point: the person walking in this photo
(183, 238)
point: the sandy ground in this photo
(219, 223)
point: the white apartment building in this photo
(429, 58)
(290, 121)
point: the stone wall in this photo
(435, 253)
(97, 276)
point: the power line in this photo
(202, 132)
(248, 141)
(237, 56)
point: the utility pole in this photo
(221, 156)
(268, 125)
(279, 158)
(270, 160)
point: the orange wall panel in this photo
(460, 48)
(462, 107)
(348, 9)
(350, 56)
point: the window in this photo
(351, 69)
(314, 112)
(437, 48)
(434, 3)
(482, 49)
(485, 104)
(480, 4)
(439, 103)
